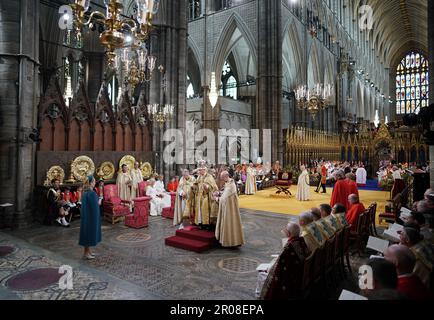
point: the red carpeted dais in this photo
(192, 239)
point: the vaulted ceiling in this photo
(399, 26)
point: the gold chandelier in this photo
(116, 27)
(161, 113)
(135, 63)
(315, 99)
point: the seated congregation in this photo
(316, 261)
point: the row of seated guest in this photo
(394, 277)
(59, 209)
(404, 273)
(64, 204)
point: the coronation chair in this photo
(284, 179)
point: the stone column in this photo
(19, 54)
(269, 81)
(431, 78)
(170, 47)
(95, 74)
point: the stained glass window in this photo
(412, 84)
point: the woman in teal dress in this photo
(90, 229)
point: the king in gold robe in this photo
(183, 193)
(204, 206)
(229, 231)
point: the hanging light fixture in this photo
(116, 28)
(314, 99)
(213, 94)
(164, 112)
(135, 64)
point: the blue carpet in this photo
(371, 185)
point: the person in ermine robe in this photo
(361, 176)
(156, 203)
(183, 193)
(124, 182)
(136, 178)
(303, 187)
(251, 180)
(229, 231)
(285, 276)
(355, 210)
(340, 191)
(205, 208)
(352, 185)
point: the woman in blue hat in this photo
(90, 229)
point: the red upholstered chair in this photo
(114, 208)
(142, 188)
(169, 212)
(139, 218)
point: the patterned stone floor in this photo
(136, 264)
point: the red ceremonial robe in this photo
(340, 194)
(172, 186)
(352, 185)
(352, 216)
(413, 288)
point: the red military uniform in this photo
(68, 197)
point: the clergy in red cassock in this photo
(351, 181)
(356, 209)
(341, 191)
(172, 186)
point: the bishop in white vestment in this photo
(156, 203)
(166, 199)
(229, 231)
(361, 176)
(251, 180)
(303, 187)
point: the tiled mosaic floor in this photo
(136, 264)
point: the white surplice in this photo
(159, 186)
(303, 187)
(250, 181)
(156, 202)
(361, 176)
